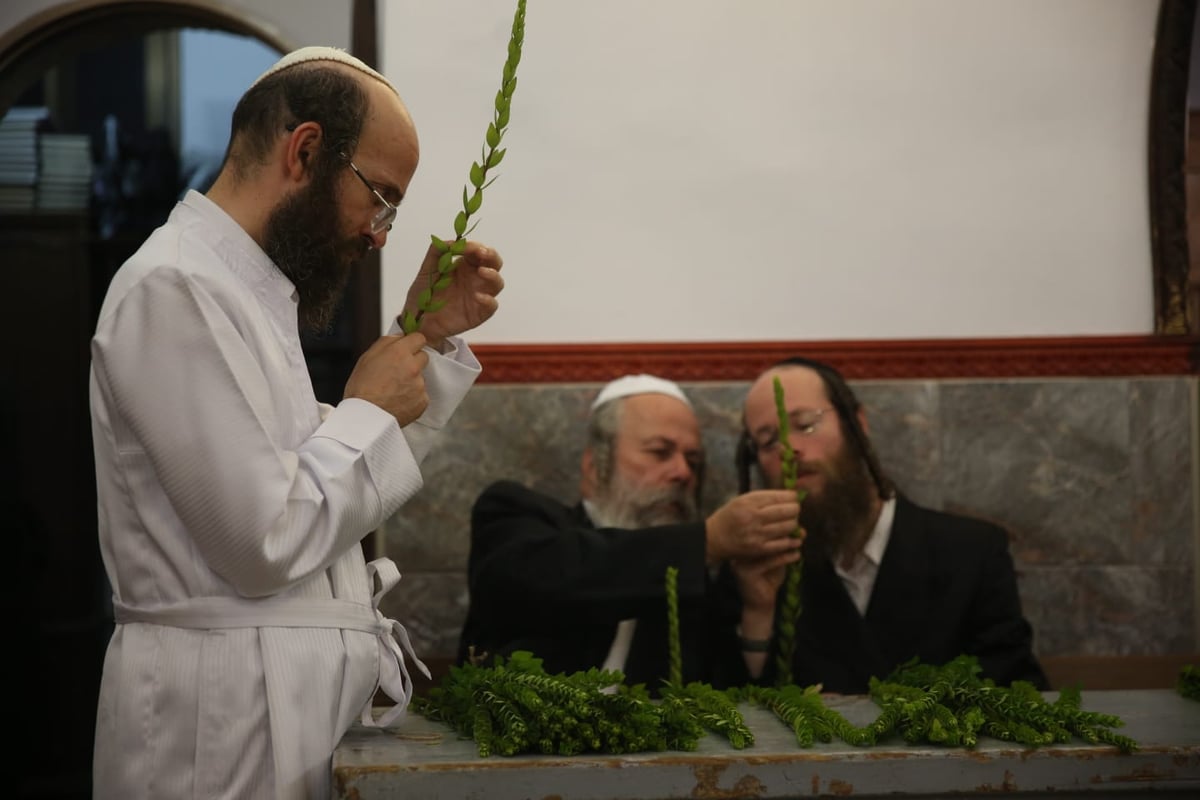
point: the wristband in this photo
(753, 645)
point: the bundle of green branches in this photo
(713, 709)
(514, 706)
(1189, 682)
(709, 707)
(951, 705)
(803, 710)
(947, 705)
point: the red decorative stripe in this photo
(1091, 356)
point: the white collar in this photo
(877, 544)
(254, 265)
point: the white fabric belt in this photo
(212, 613)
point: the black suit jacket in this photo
(542, 578)
(946, 586)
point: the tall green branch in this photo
(491, 156)
(790, 609)
(675, 660)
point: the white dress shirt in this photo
(859, 577)
(618, 651)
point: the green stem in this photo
(675, 663)
(790, 609)
(491, 156)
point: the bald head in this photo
(323, 55)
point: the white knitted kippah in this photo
(319, 53)
(638, 384)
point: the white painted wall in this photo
(707, 170)
(775, 169)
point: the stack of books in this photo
(19, 130)
(64, 180)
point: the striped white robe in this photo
(231, 507)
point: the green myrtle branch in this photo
(674, 652)
(698, 702)
(1188, 683)
(491, 156)
(790, 611)
(514, 706)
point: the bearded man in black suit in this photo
(884, 580)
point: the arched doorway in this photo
(36, 45)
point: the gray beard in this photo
(622, 505)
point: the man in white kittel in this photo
(231, 503)
(583, 585)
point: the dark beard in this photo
(837, 520)
(303, 239)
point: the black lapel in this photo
(647, 662)
(581, 515)
(899, 607)
(838, 636)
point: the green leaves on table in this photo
(514, 706)
(951, 705)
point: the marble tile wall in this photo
(1095, 480)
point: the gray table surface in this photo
(423, 759)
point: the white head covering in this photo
(638, 384)
(322, 54)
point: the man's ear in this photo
(587, 475)
(301, 150)
(862, 420)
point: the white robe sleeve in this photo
(192, 382)
(447, 379)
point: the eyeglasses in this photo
(802, 421)
(384, 217)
